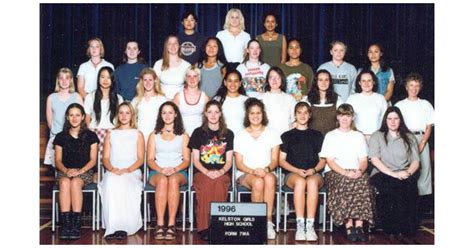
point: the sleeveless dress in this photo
(121, 195)
(192, 113)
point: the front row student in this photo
(168, 157)
(212, 146)
(76, 155)
(301, 164)
(257, 148)
(121, 187)
(350, 197)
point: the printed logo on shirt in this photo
(340, 79)
(254, 84)
(213, 153)
(188, 48)
(292, 83)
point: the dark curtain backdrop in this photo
(405, 30)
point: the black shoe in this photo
(361, 235)
(110, 236)
(75, 232)
(120, 235)
(66, 221)
(204, 234)
(351, 234)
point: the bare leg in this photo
(160, 182)
(313, 184)
(269, 193)
(298, 184)
(174, 182)
(65, 194)
(76, 194)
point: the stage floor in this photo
(425, 235)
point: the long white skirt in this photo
(121, 198)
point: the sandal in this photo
(159, 232)
(171, 233)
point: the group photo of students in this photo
(161, 109)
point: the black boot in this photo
(66, 221)
(76, 226)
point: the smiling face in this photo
(192, 79)
(65, 81)
(94, 48)
(173, 46)
(124, 115)
(168, 114)
(323, 82)
(213, 114)
(255, 115)
(302, 115)
(75, 117)
(254, 50)
(270, 23)
(366, 83)
(212, 48)
(374, 54)
(413, 88)
(393, 121)
(132, 50)
(148, 82)
(232, 83)
(105, 80)
(344, 121)
(294, 49)
(234, 19)
(274, 80)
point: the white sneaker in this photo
(311, 234)
(271, 234)
(300, 234)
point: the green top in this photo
(293, 73)
(271, 50)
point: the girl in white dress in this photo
(279, 105)
(121, 187)
(147, 101)
(191, 100)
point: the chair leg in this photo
(284, 212)
(144, 212)
(53, 211)
(191, 211)
(184, 211)
(278, 212)
(93, 211)
(324, 212)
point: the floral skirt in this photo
(86, 177)
(350, 198)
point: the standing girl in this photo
(253, 70)
(273, 43)
(56, 105)
(127, 74)
(279, 105)
(385, 75)
(212, 66)
(147, 101)
(191, 100)
(87, 74)
(171, 68)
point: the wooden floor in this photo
(425, 235)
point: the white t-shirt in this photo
(280, 110)
(104, 122)
(417, 114)
(171, 79)
(147, 112)
(256, 153)
(369, 111)
(253, 77)
(234, 46)
(89, 73)
(234, 112)
(345, 147)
